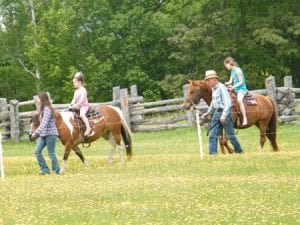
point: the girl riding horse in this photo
(239, 84)
(80, 102)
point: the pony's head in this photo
(34, 122)
(193, 95)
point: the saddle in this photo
(93, 114)
(237, 116)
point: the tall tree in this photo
(262, 36)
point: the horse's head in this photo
(34, 123)
(193, 95)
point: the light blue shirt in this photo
(220, 100)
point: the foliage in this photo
(120, 43)
(166, 183)
(171, 86)
(261, 35)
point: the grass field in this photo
(165, 183)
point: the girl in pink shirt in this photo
(80, 101)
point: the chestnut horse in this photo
(262, 115)
(112, 126)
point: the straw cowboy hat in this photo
(210, 74)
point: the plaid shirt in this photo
(220, 100)
(47, 126)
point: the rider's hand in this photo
(71, 107)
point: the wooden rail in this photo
(150, 116)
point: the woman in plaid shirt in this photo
(48, 134)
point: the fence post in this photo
(133, 91)
(271, 90)
(288, 82)
(116, 93)
(125, 105)
(189, 113)
(291, 96)
(14, 120)
(4, 111)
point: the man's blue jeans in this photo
(50, 142)
(216, 125)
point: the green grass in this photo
(165, 183)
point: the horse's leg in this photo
(224, 142)
(68, 148)
(121, 148)
(227, 146)
(262, 125)
(117, 137)
(113, 148)
(80, 155)
(221, 141)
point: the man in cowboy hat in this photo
(220, 108)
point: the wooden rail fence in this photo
(150, 116)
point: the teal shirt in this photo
(242, 87)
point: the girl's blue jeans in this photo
(50, 142)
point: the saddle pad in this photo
(94, 116)
(249, 100)
(94, 113)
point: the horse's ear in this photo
(194, 82)
(190, 81)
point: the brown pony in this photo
(111, 127)
(262, 115)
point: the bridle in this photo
(193, 99)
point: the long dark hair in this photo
(45, 101)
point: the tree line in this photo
(156, 44)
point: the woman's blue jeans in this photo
(50, 142)
(216, 125)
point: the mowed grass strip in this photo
(165, 183)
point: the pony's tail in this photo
(125, 132)
(272, 129)
(126, 135)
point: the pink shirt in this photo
(80, 95)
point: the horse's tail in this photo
(126, 135)
(272, 129)
(125, 132)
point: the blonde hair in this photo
(79, 76)
(231, 61)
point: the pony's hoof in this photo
(86, 163)
(110, 160)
